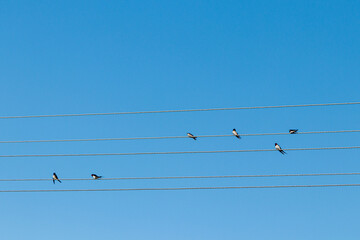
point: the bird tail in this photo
(53, 181)
(59, 181)
(238, 136)
(282, 152)
(194, 138)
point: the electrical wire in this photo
(174, 137)
(180, 188)
(168, 153)
(180, 110)
(187, 177)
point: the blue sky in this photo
(108, 56)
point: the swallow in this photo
(96, 176)
(55, 177)
(191, 136)
(279, 149)
(235, 133)
(293, 131)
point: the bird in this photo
(277, 146)
(96, 176)
(55, 177)
(235, 133)
(191, 136)
(293, 131)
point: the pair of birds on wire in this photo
(55, 177)
(233, 131)
(277, 146)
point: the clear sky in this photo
(106, 56)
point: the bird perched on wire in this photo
(293, 131)
(191, 136)
(235, 133)
(277, 146)
(55, 178)
(96, 176)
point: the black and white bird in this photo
(191, 136)
(235, 133)
(277, 146)
(96, 176)
(55, 178)
(293, 131)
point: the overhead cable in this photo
(181, 188)
(185, 177)
(173, 137)
(168, 153)
(180, 110)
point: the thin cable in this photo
(174, 137)
(185, 177)
(168, 153)
(181, 110)
(181, 188)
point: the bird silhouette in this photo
(293, 131)
(277, 146)
(235, 133)
(96, 176)
(191, 136)
(55, 178)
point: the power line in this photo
(174, 137)
(181, 188)
(180, 110)
(168, 153)
(187, 177)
